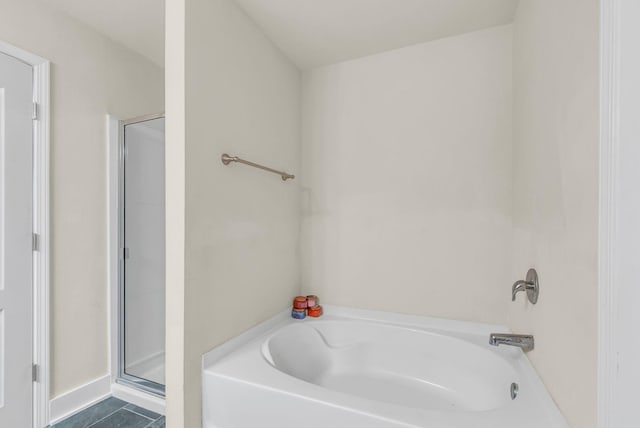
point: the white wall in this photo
(428, 185)
(175, 153)
(406, 177)
(241, 97)
(556, 194)
(91, 76)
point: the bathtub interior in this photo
(408, 367)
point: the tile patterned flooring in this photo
(113, 413)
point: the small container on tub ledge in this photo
(298, 314)
(312, 301)
(300, 302)
(315, 311)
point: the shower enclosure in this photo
(141, 300)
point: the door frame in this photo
(609, 110)
(41, 227)
(619, 229)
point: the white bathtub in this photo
(354, 368)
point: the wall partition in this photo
(142, 243)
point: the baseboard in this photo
(79, 399)
(139, 398)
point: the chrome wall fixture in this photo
(514, 390)
(530, 285)
(525, 342)
(226, 159)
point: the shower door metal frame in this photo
(123, 377)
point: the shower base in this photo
(151, 368)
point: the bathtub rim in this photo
(402, 320)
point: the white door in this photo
(16, 192)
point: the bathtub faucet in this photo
(523, 341)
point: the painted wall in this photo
(175, 85)
(556, 116)
(432, 177)
(91, 76)
(406, 175)
(241, 97)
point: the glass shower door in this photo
(142, 289)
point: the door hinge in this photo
(124, 254)
(36, 110)
(35, 373)
(35, 242)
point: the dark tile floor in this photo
(113, 413)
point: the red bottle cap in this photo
(300, 302)
(315, 312)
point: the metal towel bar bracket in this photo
(226, 159)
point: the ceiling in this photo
(320, 32)
(310, 32)
(137, 24)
